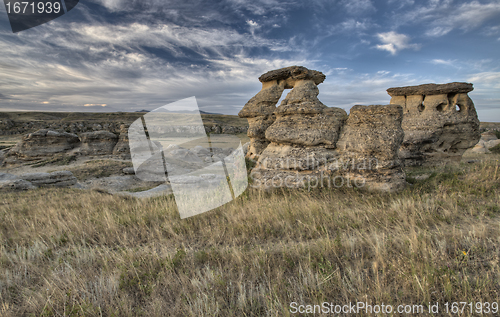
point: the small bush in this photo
(497, 134)
(495, 149)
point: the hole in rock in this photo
(458, 108)
(421, 107)
(283, 96)
(440, 107)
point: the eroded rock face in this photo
(365, 156)
(370, 143)
(42, 143)
(122, 147)
(439, 121)
(98, 143)
(259, 112)
(54, 179)
(15, 185)
(302, 119)
(311, 145)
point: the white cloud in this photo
(354, 25)
(401, 3)
(394, 42)
(447, 62)
(113, 5)
(252, 23)
(441, 17)
(356, 7)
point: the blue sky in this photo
(127, 55)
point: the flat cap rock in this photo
(431, 89)
(295, 72)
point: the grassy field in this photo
(66, 252)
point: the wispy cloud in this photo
(447, 62)
(141, 54)
(491, 79)
(135, 65)
(394, 42)
(356, 7)
(439, 17)
(341, 89)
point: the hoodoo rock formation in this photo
(260, 109)
(439, 121)
(310, 144)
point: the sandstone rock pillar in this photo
(304, 134)
(259, 113)
(369, 147)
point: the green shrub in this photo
(495, 149)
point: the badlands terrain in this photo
(86, 251)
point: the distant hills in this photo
(187, 111)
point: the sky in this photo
(129, 55)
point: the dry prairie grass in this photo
(71, 253)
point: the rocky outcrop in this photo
(15, 185)
(488, 141)
(10, 182)
(54, 179)
(114, 184)
(6, 124)
(122, 147)
(369, 145)
(311, 144)
(489, 136)
(439, 121)
(42, 143)
(97, 143)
